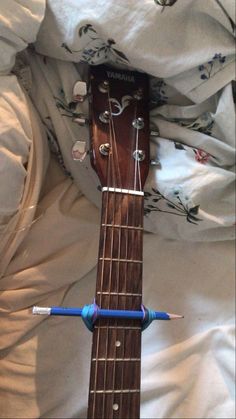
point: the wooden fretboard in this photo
(114, 390)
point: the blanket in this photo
(187, 48)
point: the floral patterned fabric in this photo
(191, 102)
(49, 225)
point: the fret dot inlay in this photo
(118, 343)
(115, 406)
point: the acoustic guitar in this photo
(120, 157)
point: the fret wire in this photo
(116, 391)
(123, 226)
(118, 327)
(121, 260)
(123, 294)
(117, 359)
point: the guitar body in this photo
(120, 157)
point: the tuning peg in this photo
(81, 120)
(79, 151)
(155, 133)
(155, 162)
(79, 91)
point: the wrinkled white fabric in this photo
(15, 141)
(19, 24)
(191, 100)
(187, 365)
(49, 223)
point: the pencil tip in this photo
(174, 316)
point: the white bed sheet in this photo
(49, 237)
(187, 365)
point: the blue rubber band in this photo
(150, 315)
(89, 315)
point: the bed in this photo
(50, 203)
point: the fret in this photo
(125, 280)
(117, 359)
(128, 227)
(123, 210)
(123, 294)
(123, 405)
(121, 260)
(118, 327)
(108, 373)
(124, 333)
(116, 391)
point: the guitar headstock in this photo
(119, 127)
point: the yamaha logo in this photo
(120, 76)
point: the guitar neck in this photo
(114, 390)
(120, 157)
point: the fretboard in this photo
(114, 390)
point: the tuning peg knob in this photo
(81, 120)
(79, 151)
(155, 133)
(155, 162)
(79, 91)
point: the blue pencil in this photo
(103, 313)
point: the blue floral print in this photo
(216, 62)
(96, 49)
(175, 207)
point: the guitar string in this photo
(140, 251)
(137, 163)
(128, 198)
(118, 221)
(137, 173)
(110, 183)
(135, 209)
(133, 200)
(101, 284)
(111, 205)
(116, 182)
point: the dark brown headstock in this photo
(119, 98)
